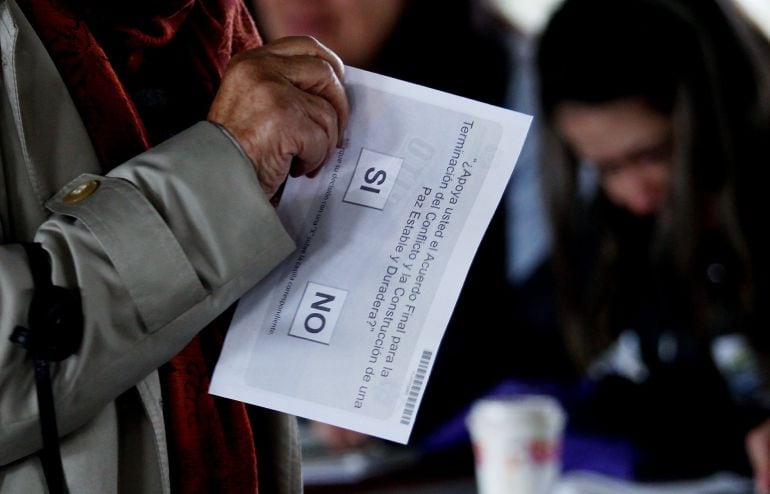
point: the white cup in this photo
(517, 444)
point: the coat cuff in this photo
(159, 278)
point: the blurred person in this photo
(537, 347)
(662, 268)
(436, 44)
(405, 39)
(355, 30)
(520, 22)
(142, 143)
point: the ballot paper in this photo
(346, 329)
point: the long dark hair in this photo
(696, 61)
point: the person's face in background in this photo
(629, 143)
(354, 29)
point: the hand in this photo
(758, 449)
(339, 438)
(286, 106)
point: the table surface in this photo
(425, 486)
(393, 471)
(389, 468)
(446, 477)
(572, 483)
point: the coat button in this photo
(81, 192)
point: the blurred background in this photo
(623, 409)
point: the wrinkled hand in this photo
(286, 106)
(758, 449)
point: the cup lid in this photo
(539, 411)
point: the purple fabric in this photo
(580, 450)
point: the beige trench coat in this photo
(166, 242)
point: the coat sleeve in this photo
(162, 245)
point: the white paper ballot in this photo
(345, 330)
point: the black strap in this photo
(50, 456)
(55, 329)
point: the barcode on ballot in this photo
(414, 390)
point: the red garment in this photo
(210, 441)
